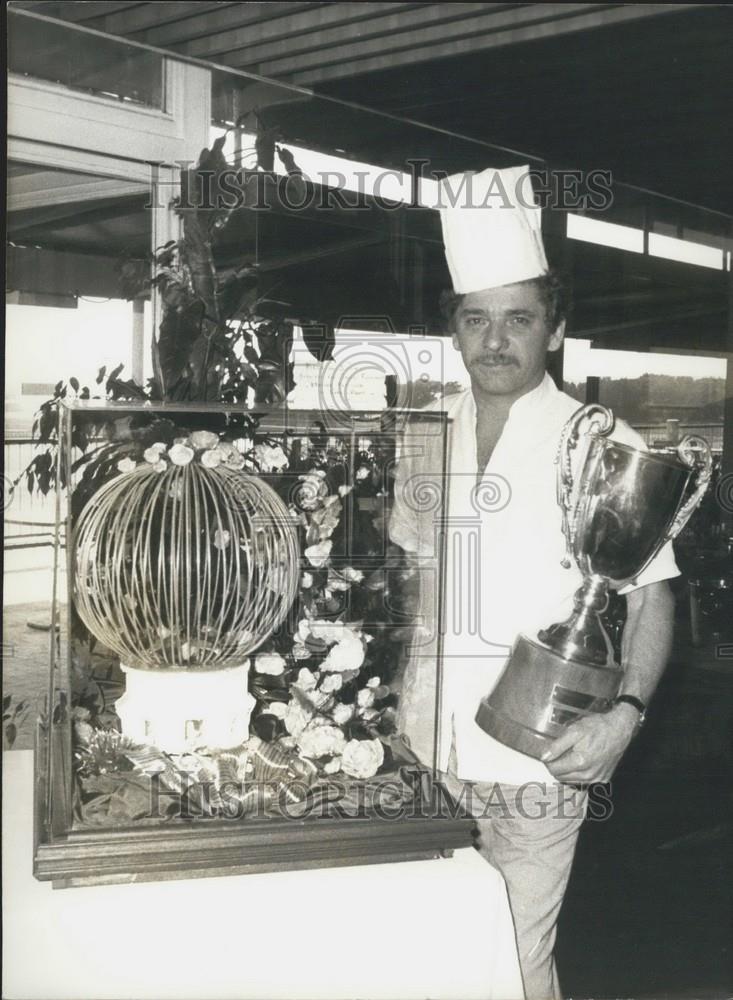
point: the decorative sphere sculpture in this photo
(183, 570)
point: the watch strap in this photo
(637, 703)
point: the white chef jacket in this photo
(503, 572)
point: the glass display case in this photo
(228, 690)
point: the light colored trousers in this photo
(528, 832)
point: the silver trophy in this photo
(625, 505)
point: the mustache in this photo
(496, 360)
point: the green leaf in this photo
(101, 373)
(74, 383)
(11, 731)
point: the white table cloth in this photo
(438, 929)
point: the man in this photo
(506, 316)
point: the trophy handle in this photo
(695, 452)
(602, 421)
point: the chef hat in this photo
(491, 229)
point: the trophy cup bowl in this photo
(617, 512)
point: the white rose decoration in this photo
(161, 465)
(373, 682)
(365, 698)
(180, 454)
(342, 713)
(152, 454)
(269, 663)
(337, 582)
(362, 472)
(331, 683)
(221, 538)
(306, 680)
(204, 439)
(271, 459)
(300, 652)
(333, 766)
(211, 459)
(317, 555)
(346, 655)
(234, 461)
(126, 465)
(297, 717)
(321, 741)
(312, 490)
(84, 731)
(362, 758)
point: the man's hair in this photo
(551, 287)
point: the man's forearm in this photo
(647, 640)
(589, 749)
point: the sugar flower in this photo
(342, 713)
(365, 698)
(180, 454)
(362, 758)
(345, 655)
(152, 454)
(204, 439)
(297, 717)
(271, 459)
(234, 461)
(317, 555)
(321, 741)
(331, 683)
(312, 489)
(306, 680)
(221, 538)
(269, 663)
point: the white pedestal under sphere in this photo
(181, 710)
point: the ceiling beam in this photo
(227, 17)
(269, 41)
(153, 14)
(79, 13)
(407, 50)
(290, 29)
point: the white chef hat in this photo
(491, 228)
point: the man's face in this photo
(504, 335)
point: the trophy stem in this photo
(582, 637)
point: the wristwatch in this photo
(637, 703)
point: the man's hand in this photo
(590, 749)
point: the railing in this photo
(658, 436)
(29, 516)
